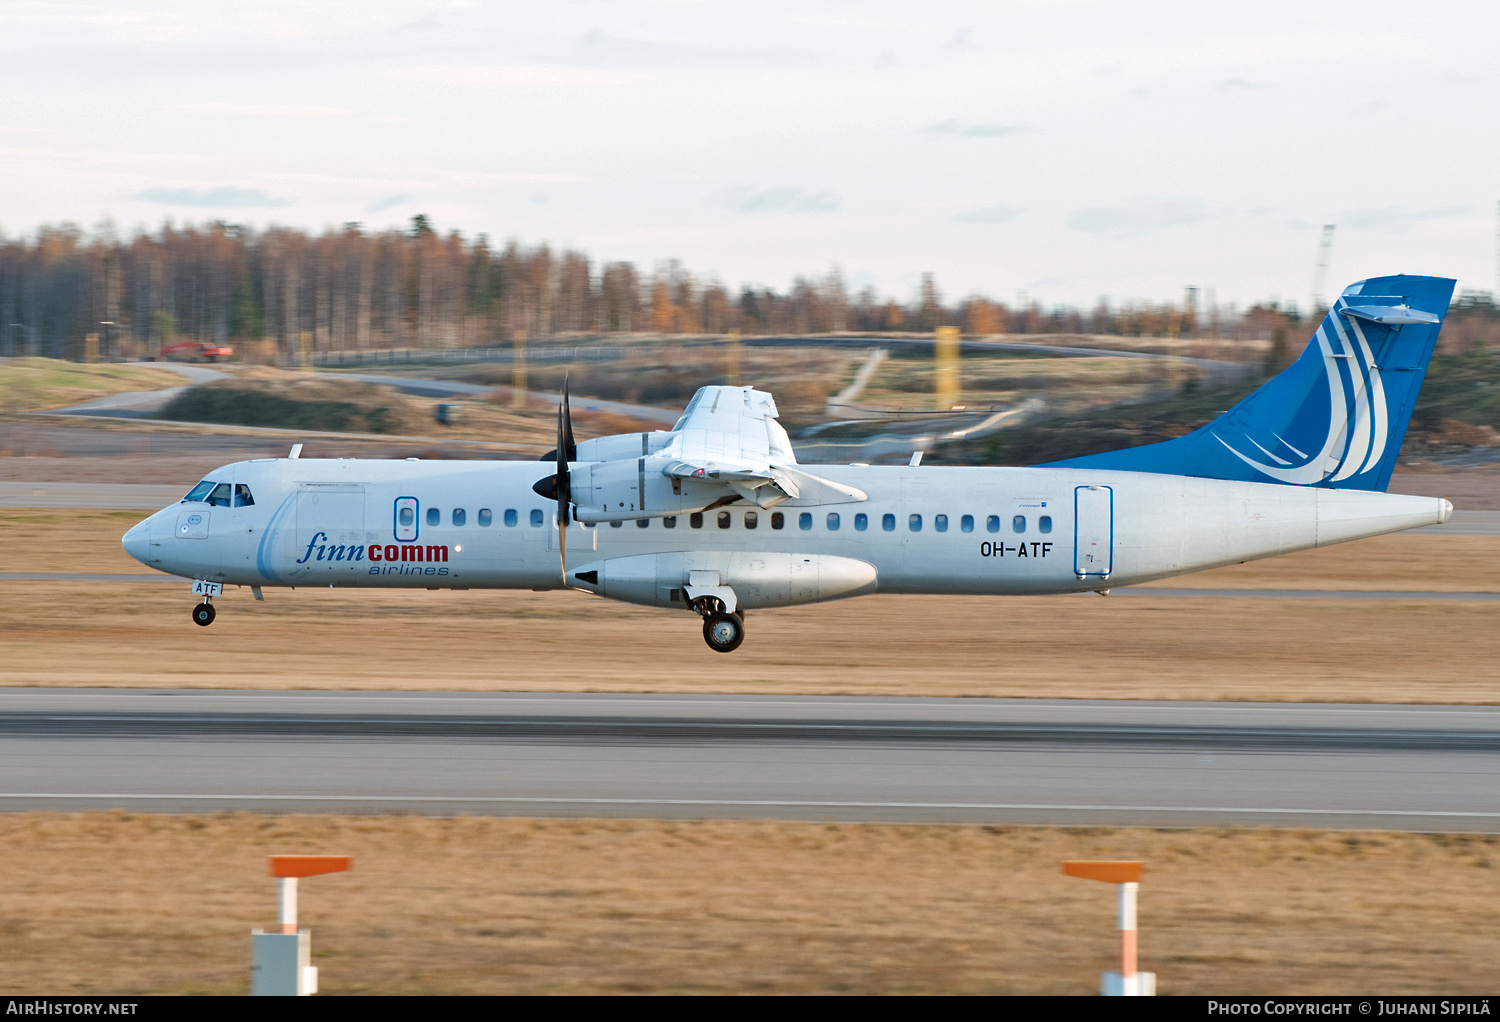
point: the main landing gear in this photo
(722, 631)
(203, 614)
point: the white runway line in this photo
(751, 804)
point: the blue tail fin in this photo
(1336, 417)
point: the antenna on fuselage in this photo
(296, 452)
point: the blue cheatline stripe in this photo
(262, 552)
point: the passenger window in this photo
(406, 517)
(536, 518)
(510, 517)
(669, 522)
(1018, 523)
(1044, 524)
(966, 523)
(888, 523)
(804, 521)
(617, 525)
(696, 519)
(201, 490)
(914, 523)
(219, 497)
(242, 496)
(861, 522)
(833, 521)
(778, 520)
(940, 523)
(486, 517)
(992, 523)
(460, 516)
(641, 523)
(724, 519)
(751, 519)
(434, 516)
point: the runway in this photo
(1430, 768)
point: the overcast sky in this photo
(1070, 149)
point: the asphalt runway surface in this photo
(1427, 768)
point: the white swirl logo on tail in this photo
(1355, 443)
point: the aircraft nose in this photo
(137, 542)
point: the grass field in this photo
(118, 903)
(29, 384)
(87, 634)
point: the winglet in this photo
(1108, 872)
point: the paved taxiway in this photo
(878, 759)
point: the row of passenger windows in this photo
(833, 521)
(459, 516)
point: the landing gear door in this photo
(329, 538)
(1093, 531)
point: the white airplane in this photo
(716, 517)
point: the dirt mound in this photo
(317, 403)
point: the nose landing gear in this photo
(203, 614)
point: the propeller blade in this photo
(566, 451)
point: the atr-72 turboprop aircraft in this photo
(717, 517)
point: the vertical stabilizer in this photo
(1337, 416)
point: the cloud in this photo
(1146, 215)
(953, 129)
(779, 199)
(960, 40)
(988, 215)
(389, 202)
(1394, 219)
(224, 196)
(599, 48)
(263, 109)
(511, 75)
(1240, 84)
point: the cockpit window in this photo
(219, 496)
(242, 496)
(201, 490)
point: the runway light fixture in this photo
(1128, 982)
(281, 959)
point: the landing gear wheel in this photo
(203, 614)
(723, 632)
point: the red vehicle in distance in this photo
(194, 351)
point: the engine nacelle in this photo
(616, 491)
(757, 579)
(623, 445)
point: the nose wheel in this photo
(723, 632)
(203, 614)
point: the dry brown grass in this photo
(28, 384)
(88, 634)
(120, 903)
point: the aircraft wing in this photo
(723, 423)
(727, 447)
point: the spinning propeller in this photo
(560, 486)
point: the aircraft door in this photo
(1093, 531)
(329, 538)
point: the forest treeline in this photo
(353, 289)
